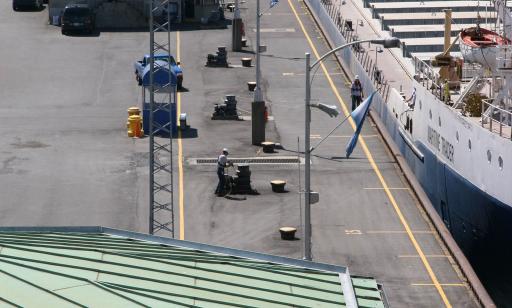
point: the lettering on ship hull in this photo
(440, 144)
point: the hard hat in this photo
(224, 150)
(357, 77)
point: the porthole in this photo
(439, 121)
(457, 136)
(500, 162)
(430, 114)
(469, 145)
(489, 156)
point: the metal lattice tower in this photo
(162, 99)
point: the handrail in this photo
(505, 116)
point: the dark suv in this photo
(77, 17)
(33, 4)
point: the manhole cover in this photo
(282, 160)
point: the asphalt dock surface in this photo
(66, 159)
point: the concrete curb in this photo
(480, 292)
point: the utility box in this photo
(162, 117)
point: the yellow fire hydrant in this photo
(133, 111)
(134, 124)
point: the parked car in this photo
(32, 4)
(141, 65)
(77, 17)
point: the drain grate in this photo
(282, 160)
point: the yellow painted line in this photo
(180, 150)
(443, 284)
(303, 74)
(390, 188)
(336, 136)
(391, 198)
(399, 232)
(428, 256)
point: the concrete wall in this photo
(125, 13)
(115, 10)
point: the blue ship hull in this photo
(480, 224)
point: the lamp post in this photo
(386, 43)
(257, 92)
(237, 29)
(258, 105)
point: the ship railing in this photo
(348, 29)
(428, 77)
(496, 119)
(471, 70)
(503, 57)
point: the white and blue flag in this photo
(273, 2)
(359, 114)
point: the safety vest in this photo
(356, 89)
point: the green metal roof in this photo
(100, 267)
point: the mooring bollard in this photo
(246, 62)
(251, 85)
(278, 186)
(287, 233)
(268, 146)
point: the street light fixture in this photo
(386, 43)
(331, 110)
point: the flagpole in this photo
(330, 133)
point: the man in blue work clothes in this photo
(356, 92)
(222, 162)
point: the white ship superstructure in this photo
(459, 129)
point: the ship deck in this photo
(500, 129)
(430, 4)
